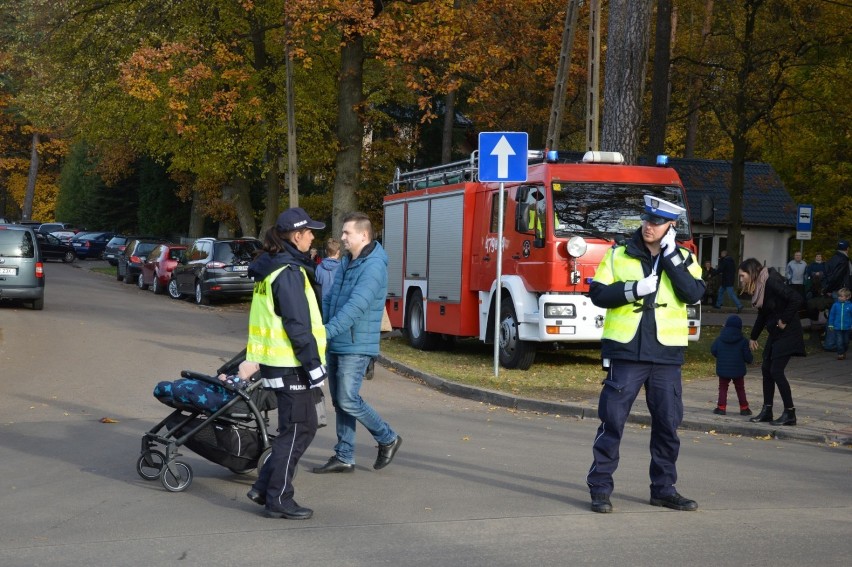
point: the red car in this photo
(157, 267)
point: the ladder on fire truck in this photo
(467, 170)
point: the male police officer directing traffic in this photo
(645, 286)
(287, 337)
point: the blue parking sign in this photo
(503, 156)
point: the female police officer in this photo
(645, 286)
(287, 339)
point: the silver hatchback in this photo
(21, 268)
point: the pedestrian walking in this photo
(732, 353)
(353, 318)
(645, 286)
(777, 312)
(840, 321)
(837, 270)
(287, 338)
(727, 270)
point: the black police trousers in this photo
(297, 425)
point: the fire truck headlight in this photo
(577, 246)
(692, 312)
(556, 310)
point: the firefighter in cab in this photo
(645, 286)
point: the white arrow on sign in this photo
(503, 150)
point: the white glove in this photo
(668, 243)
(646, 286)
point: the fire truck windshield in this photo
(608, 210)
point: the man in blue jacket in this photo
(352, 313)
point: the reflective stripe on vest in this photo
(621, 323)
(268, 343)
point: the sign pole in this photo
(498, 299)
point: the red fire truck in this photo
(440, 234)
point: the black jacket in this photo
(732, 353)
(645, 347)
(780, 303)
(836, 272)
(728, 271)
(290, 304)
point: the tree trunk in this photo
(660, 82)
(697, 87)
(242, 204)
(27, 209)
(349, 130)
(735, 220)
(196, 217)
(624, 76)
(273, 191)
(292, 161)
(447, 130)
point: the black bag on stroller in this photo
(223, 421)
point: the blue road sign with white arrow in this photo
(503, 156)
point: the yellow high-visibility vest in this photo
(268, 343)
(622, 323)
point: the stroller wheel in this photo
(240, 471)
(149, 464)
(176, 476)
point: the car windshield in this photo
(608, 209)
(143, 248)
(236, 252)
(16, 244)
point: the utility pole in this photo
(594, 78)
(558, 104)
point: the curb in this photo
(501, 399)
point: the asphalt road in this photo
(472, 485)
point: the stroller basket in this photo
(234, 436)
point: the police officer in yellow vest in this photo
(287, 338)
(645, 287)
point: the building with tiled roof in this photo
(769, 212)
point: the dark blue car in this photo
(90, 244)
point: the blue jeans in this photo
(345, 376)
(721, 297)
(841, 340)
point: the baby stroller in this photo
(231, 432)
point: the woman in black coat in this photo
(777, 311)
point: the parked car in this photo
(64, 235)
(90, 244)
(21, 267)
(130, 263)
(214, 269)
(157, 268)
(48, 227)
(54, 249)
(115, 248)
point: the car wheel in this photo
(173, 290)
(69, 257)
(128, 278)
(118, 275)
(415, 325)
(38, 304)
(156, 286)
(200, 297)
(140, 282)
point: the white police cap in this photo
(658, 211)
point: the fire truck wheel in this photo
(514, 353)
(415, 325)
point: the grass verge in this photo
(572, 373)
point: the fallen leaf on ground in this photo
(108, 420)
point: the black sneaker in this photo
(746, 411)
(719, 411)
(601, 503)
(675, 502)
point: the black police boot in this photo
(788, 417)
(764, 415)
